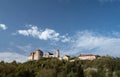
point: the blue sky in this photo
(73, 26)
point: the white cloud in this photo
(33, 31)
(90, 42)
(3, 26)
(65, 39)
(47, 34)
(11, 56)
(81, 42)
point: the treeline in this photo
(102, 67)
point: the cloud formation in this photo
(46, 34)
(3, 26)
(91, 42)
(81, 42)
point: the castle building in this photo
(50, 55)
(57, 54)
(36, 55)
(66, 57)
(87, 57)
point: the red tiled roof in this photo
(86, 55)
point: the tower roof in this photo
(39, 50)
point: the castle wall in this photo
(30, 57)
(65, 58)
(57, 53)
(36, 55)
(87, 57)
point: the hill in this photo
(52, 67)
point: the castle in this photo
(36, 55)
(87, 56)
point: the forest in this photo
(52, 67)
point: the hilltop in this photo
(52, 67)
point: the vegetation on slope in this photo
(103, 67)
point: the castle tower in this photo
(37, 54)
(31, 56)
(57, 53)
